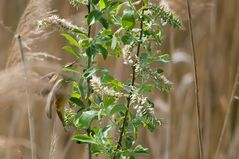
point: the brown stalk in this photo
(28, 102)
(196, 87)
(88, 80)
(227, 114)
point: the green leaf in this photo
(104, 22)
(127, 39)
(93, 17)
(85, 42)
(114, 42)
(146, 88)
(71, 69)
(71, 50)
(120, 6)
(164, 58)
(105, 130)
(71, 40)
(128, 19)
(145, 3)
(103, 51)
(118, 108)
(90, 71)
(108, 101)
(77, 101)
(95, 2)
(91, 51)
(144, 56)
(132, 157)
(82, 34)
(102, 4)
(80, 87)
(75, 98)
(129, 141)
(106, 79)
(140, 149)
(84, 139)
(85, 119)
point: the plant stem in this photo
(122, 129)
(88, 80)
(28, 102)
(227, 114)
(196, 81)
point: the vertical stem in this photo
(122, 129)
(169, 145)
(196, 81)
(227, 114)
(88, 80)
(28, 102)
(210, 81)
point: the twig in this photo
(88, 80)
(28, 102)
(196, 81)
(227, 114)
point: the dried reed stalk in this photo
(196, 81)
(35, 10)
(28, 103)
(227, 117)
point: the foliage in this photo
(129, 30)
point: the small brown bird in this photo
(57, 97)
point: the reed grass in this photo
(195, 65)
(217, 55)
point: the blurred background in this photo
(216, 35)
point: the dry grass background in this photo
(215, 26)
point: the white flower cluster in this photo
(144, 108)
(148, 12)
(58, 24)
(127, 57)
(165, 4)
(103, 90)
(140, 103)
(146, 73)
(77, 3)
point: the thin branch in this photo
(122, 129)
(196, 81)
(88, 80)
(28, 102)
(227, 114)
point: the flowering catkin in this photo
(59, 24)
(103, 90)
(147, 73)
(77, 3)
(126, 52)
(144, 108)
(69, 117)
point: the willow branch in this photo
(122, 129)
(88, 80)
